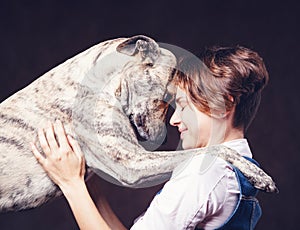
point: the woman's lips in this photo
(182, 132)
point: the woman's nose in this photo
(175, 119)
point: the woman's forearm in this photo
(97, 188)
(83, 207)
(65, 165)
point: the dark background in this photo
(38, 35)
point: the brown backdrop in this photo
(38, 35)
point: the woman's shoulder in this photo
(202, 168)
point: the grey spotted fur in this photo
(98, 95)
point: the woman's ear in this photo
(227, 113)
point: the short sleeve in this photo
(185, 200)
(172, 208)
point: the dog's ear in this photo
(147, 48)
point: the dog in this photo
(104, 96)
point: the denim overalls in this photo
(248, 211)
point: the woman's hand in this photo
(63, 161)
(65, 165)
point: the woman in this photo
(214, 105)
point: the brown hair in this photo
(226, 78)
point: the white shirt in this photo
(203, 192)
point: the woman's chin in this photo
(186, 145)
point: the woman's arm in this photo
(83, 207)
(65, 165)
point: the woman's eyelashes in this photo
(181, 107)
(181, 104)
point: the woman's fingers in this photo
(43, 142)
(37, 154)
(77, 150)
(61, 136)
(51, 138)
(75, 146)
(63, 160)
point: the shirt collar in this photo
(239, 145)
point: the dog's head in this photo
(144, 91)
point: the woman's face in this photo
(195, 127)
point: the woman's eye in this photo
(182, 108)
